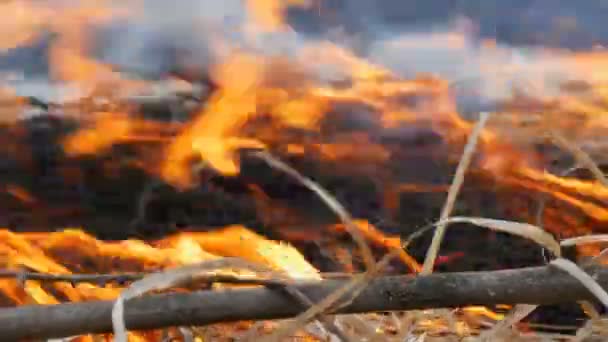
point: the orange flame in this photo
(260, 102)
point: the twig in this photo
(582, 157)
(121, 278)
(576, 272)
(519, 312)
(544, 197)
(355, 285)
(142, 202)
(184, 275)
(463, 165)
(351, 227)
(102, 279)
(329, 200)
(534, 285)
(326, 321)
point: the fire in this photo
(212, 134)
(293, 105)
(269, 15)
(28, 21)
(75, 251)
(245, 93)
(89, 141)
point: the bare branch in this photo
(533, 285)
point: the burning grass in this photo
(341, 116)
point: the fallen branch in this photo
(534, 285)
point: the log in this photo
(533, 285)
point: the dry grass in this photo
(466, 324)
(444, 325)
(457, 182)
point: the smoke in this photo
(441, 42)
(158, 36)
(454, 52)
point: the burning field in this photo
(268, 184)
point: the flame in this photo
(20, 193)
(243, 95)
(89, 141)
(27, 22)
(390, 242)
(269, 15)
(72, 250)
(291, 105)
(212, 134)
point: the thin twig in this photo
(329, 200)
(328, 323)
(122, 278)
(351, 227)
(119, 278)
(519, 312)
(544, 197)
(142, 202)
(582, 157)
(457, 182)
(575, 271)
(176, 277)
(353, 288)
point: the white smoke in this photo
(144, 42)
(456, 54)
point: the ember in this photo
(263, 150)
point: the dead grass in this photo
(449, 325)
(453, 325)
(475, 324)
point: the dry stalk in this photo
(543, 200)
(122, 278)
(457, 182)
(101, 279)
(582, 158)
(581, 240)
(329, 200)
(351, 227)
(519, 312)
(180, 276)
(354, 287)
(524, 230)
(575, 271)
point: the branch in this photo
(533, 285)
(122, 278)
(100, 279)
